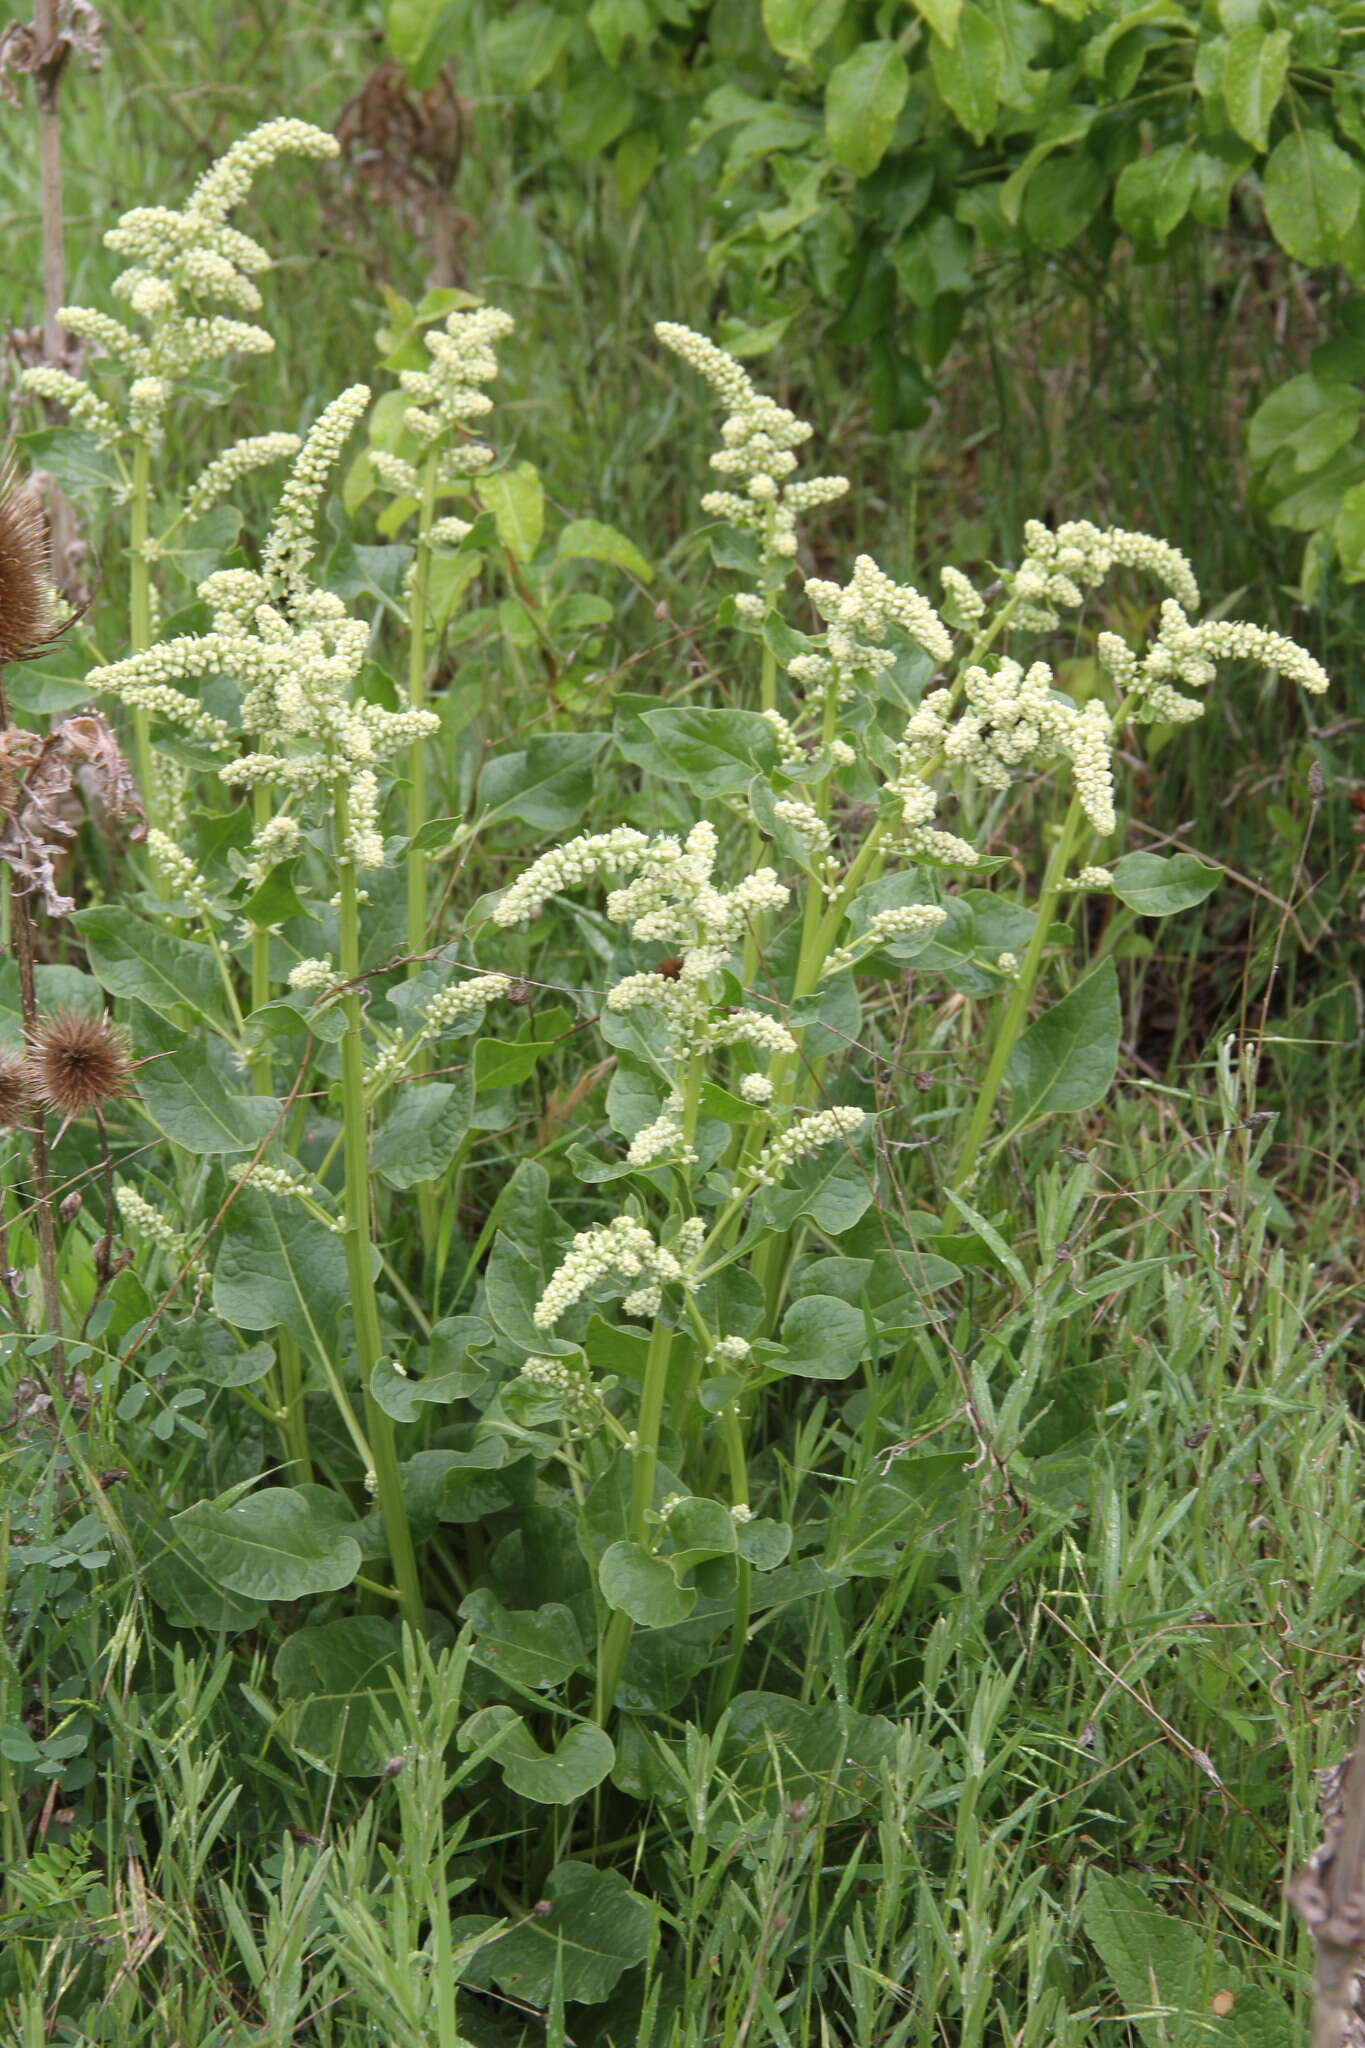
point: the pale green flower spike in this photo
(757, 458)
(622, 1249)
(179, 264)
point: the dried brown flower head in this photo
(14, 1091)
(77, 1060)
(26, 623)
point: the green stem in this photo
(388, 1480)
(1016, 1009)
(417, 782)
(260, 955)
(417, 701)
(722, 1692)
(140, 606)
(616, 1641)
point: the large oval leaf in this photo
(1159, 884)
(1066, 1060)
(555, 1777)
(268, 1546)
(597, 1928)
(863, 101)
(1312, 196)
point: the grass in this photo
(1078, 1582)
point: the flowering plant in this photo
(585, 1364)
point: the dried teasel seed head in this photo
(26, 623)
(14, 1089)
(77, 1061)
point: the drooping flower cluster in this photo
(884, 928)
(571, 1380)
(182, 267)
(1014, 718)
(1059, 567)
(1187, 653)
(296, 652)
(622, 1249)
(859, 614)
(757, 457)
(800, 1138)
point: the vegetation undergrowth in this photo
(652, 1397)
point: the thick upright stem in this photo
(417, 701)
(616, 1641)
(140, 609)
(387, 1478)
(1016, 1009)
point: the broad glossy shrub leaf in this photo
(969, 70)
(1312, 195)
(1254, 72)
(863, 100)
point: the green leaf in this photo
(538, 1646)
(522, 49)
(278, 1267)
(1349, 534)
(796, 28)
(1153, 194)
(643, 1587)
(131, 957)
(824, 1338)
(1062, 199)
(517, 501)
(1159, 884)
(554, 1778)
(596, 111)
(716, 752)
(592, 540)
(268, 1546)
(942, 17)
(1055, 133)
(698, 1529)
(597, 1928)
(1066, 1060)
(863, 100)
(335, 1676)
(1165, 1972)
(968, 71)
(548, 782)
(185, 1096)
(420, 33)
(614, 23)
(1254, 72)
(423, 1134)
(1312, 196)
(1309, 417)
(634, 163)
(777, 1750)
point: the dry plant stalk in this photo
(1329, 1893)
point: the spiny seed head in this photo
(14, 1094)
(25, 615)
(77, 1061)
